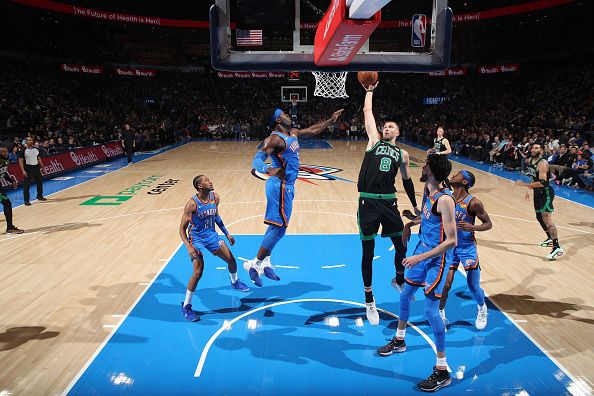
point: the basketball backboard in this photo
(278, 35)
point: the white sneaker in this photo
(481, 318)
(253, 263)
(556, 252)
(372, 314)
(400, 288)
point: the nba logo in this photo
(419, 28)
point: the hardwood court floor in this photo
(79, 268)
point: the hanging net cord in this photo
(330, 85)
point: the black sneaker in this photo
(14, 230)
(42, 199)
(394, 346)
(27, 203)
(438, 379)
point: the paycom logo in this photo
(122, 196)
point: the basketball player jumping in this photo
(201, 213)
(426, 267)
(468, 208)
(538, 170)
(282, 146)
(377, 199)
(441, 145)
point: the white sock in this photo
(188, 299)
(442, 312)
(441, 362)
(482, 307)
(400, 334)
(233, 277)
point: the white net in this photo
(330, 85)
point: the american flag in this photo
(249, 37)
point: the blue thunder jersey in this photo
(465, 238)
(288, 159)
(203, 219)
(431, 232)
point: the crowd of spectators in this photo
(490, 118)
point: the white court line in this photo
(376, 257)
(334, 266)
(116, 327)
(221, 268)
(577, 383)
(532, 221)
(228, 325)
(286, 266)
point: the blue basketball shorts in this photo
(428, 274)
(210, 241)
(279, 202)
(465, 254)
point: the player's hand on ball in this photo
(231, 239)
(371, 88)
(465, 226)
(336, 114)
(411, 261)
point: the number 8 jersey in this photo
(379, 169)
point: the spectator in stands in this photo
(13, 156)
(571, 176)
(561, 163)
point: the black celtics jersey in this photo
(379, 169)
(532, 170)
(438, 145)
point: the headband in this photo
(276, 114)
(467, 177)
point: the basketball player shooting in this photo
(377, 196)
(282, 146)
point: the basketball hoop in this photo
(330, 85)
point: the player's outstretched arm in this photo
(407, 182)
(189, 209)
(370, 125)
(319, 127)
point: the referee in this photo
(128, 142)
(31, 166)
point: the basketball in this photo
(367, 78)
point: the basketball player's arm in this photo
(446, 207)
(370, 125)
(220, 223)
(271, 145)
(407, 182)
(448, 149)
(320, 127)
(476, 207)
(189, 209)
(543, 168)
